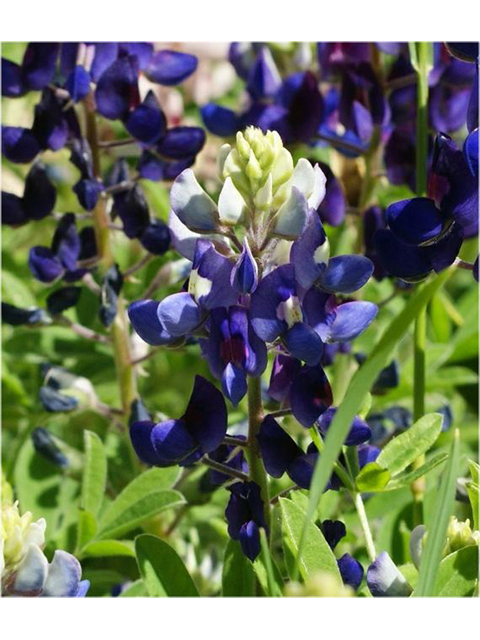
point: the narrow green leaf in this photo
(474, 471)
(141, 499)
(317, 555)
(107, 548)
(238, 577)
(372, 478)
(118, 521)
(86, 529)
(135, 590)
(458, 574)
(406, 478)
(473, 492)
(359, 387)
(410, 445)
(273, 590)
(94, 473)
(437, 528)
(162, 569)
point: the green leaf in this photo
(473, 492)
(118, 520)
(372, 478)
(359, 387)
(94, 473)
(437, 528)
(238, 577)
(143, 498)
(410, 445)
(136, 590)
(407, 477)
(162, 569)
(86, 529)
(458, 574)
(474, 471)
(317, 555)
(107, 548)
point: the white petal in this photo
(231, 205)
(63, 576)
(192, 204)
(385, 580)
(183, 240)
(291, 217)
(222, 156)
(35, 533)
(304, 177)
(32, 572)
(319, 187)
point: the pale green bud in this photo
(243, 147)
(17, 534)
(253, 168)
(459, 535)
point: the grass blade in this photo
(432, 554)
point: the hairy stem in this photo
(359, 506)
(119, 329)
(255, 463)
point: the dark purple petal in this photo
(216, 269)
(44, 265)
(172, 442)
(105, 54)
(334, 531)
(320, 309)
(147, 122)
(414, 264)
(359, 430)
(219, 120)
(264, 79)
(88, 244)
(346, 274)
(445, 250)
(470, 151)
(333, 206)
(302, 468)
(62, 299)
(400, 157)
(267, 117)
(466, 51)
(234, 383)
(17, 316)
(250, 540)
(309, 253)
(367, 453)
(415, 221)
(351, 320)
(179, 143)
(170, 67)
(132, 208)
(276, 287)
(78, 83)
(448, 106)
(38, 65)
(304, 343)
(51, 122)
(143, 315)
(117, 89)
(39, 195)
(278, 449)
(305, 108)
(141, 50)
(19, 145)
(13, 211)
(66, 242)
(244, 276)
(310, 395)
(141, 437)
(81, 157)
(472, 112)
(179, 314)
(206, 415)
(242, 56)
(156, 238)
(351, 571)
(12, 81)
(88, 193)
(284, 370)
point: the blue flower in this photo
(200, 430)
(245, 517)
(38, 199)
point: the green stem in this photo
(357, 499)
(421, 160)
(255, 464)
(119, 329)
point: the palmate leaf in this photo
(358, 390)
